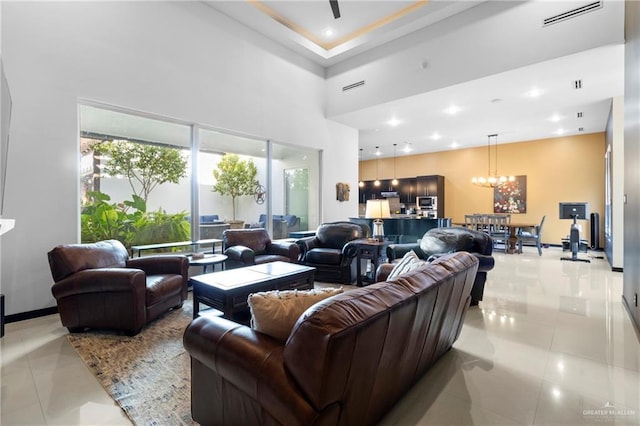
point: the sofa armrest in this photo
(101, 280)
(250, 361)
(156, 265)
(290, 250)
(305, 244)
(383, 271)
(241, 254)
(349, 250)
(487, 262)
(397, 251)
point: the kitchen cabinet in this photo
(407, 187)
(432, 185)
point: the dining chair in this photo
(534, 236)
(498, 230)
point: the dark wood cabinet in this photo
(432, 185)
(408, 191)
(407, 188)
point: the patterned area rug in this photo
(148, 375)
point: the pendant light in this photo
(360, 181)
(377, 181)
(492, 179)
(394, 182)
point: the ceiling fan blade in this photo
(335, 8)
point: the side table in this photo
(208, 259)
(372, 250)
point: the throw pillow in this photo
(409, 262)
(276, 312)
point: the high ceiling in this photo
(532, 102)
(303, 25)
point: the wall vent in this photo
(590, 7)
(353, 86)
(577, 84)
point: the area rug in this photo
(148, 375)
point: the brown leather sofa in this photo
(438, 241)
(332, 252)
(348, 359)
(253, 246)
(98, 286)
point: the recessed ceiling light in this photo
(555, 118)
(407, 147)
(394, 122)
(436, 136)
(328, 32)
(452, 110)
(560, 132)
(454, 145)
(534, 92)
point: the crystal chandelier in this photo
(492, 180)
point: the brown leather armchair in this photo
(331, 251)
(98, 286)
(438, 241)
(245, 247)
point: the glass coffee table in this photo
(227, 291)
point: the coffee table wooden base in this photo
(227, 291)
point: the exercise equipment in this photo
(574, 241)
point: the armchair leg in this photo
(132, 333)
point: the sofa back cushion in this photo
(336, 235)
(256, 239)
(68, 259)
(361, 350)
(445, 240)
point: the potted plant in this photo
(235, 177)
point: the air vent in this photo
(577, 84)
(579, 115)
(353, 86)
(590, 7)
(581, 129)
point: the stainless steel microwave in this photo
(429, 202)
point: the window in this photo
(147, 180)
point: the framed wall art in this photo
(511, 197)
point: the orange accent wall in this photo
(557, 169)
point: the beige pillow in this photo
(409, 262)
(276, 312)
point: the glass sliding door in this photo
(295, 182)
(135, 178)
(146, 180)
(232, 181)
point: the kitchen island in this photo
(405, 228)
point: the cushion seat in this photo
(325, 255)
(159, 287)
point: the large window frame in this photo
(195, 145)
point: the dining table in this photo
(513, 234)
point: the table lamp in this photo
(377, 210)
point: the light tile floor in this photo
(551, 344)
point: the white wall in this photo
(468, 46)
(617, 190)
(174, 59)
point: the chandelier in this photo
(492, 180)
